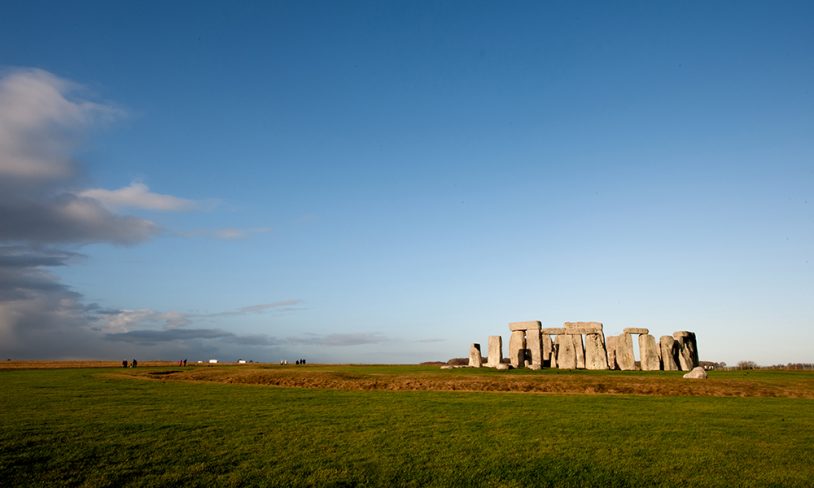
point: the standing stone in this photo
(567, 355)
(475, 359)
(624, 352)
(668, 347)
(579, 348)
(687, 350)
(595, 355)
(517, 348)
(555, 351)
(495, 351)
(548, 350)
(534, 346)
(612, 364)
(648, 352)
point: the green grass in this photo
(86, 427)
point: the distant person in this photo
(185, 362)
(303, 361)
(124, 363)
(135, 363)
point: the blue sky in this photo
(392, 181)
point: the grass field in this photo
(366, 425)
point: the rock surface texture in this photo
(697, 373)
(668, 348)
(649, 353)
(495, 351)
(475, 359)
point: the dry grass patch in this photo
(410, 378)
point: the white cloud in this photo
(138, 195)
(40, 123)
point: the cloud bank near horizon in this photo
(44, 119)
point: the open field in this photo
(380, 426)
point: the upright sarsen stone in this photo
(669, 350)
(517, 348)
(495, 351)
(567, 351)
(624, 352)
(648, 353)
(534, 346)
(595, 355)
(611, 345)
(687, 350)
(475, 359)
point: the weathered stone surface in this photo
(534, 367)
(553, 330)
(495, 351)
(595, 326)
(636, 330)
(517, 348)
(595, 355)
(687, 350)
(611, 346)
(475, 359)
(555, 351)
(534, 347)
(669, 351)
(548, 350)
(579, 347)
(648, 353)
(502, 366)
(624, 352)
(567, 355)
(529, 325)
(697, 373)
(581, 331)
(446, 366)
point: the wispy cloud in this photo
(138, 196)
(350, 339)
(151, 337)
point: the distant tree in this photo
(458, 361)
(747, 365)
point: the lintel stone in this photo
(636, 330)
(528, 325)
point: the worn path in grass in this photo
(94, 427)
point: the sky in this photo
(389, 182)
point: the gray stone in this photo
(475, 359)
(528, 325)
(636, 330)
(611, 346)
(648, 353)
(624, 353)
(446, 366)
(534, 347)
(517, 348)
(579, 347)
(697, 373)
(595, 326)
(495, 351)
(548, 349)
(555, 351)
(595, 355)
(553, 330)
(502, 366)
(581, 331)
(534, 367)
(687, 350)
(669, 351)
(567, 355)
